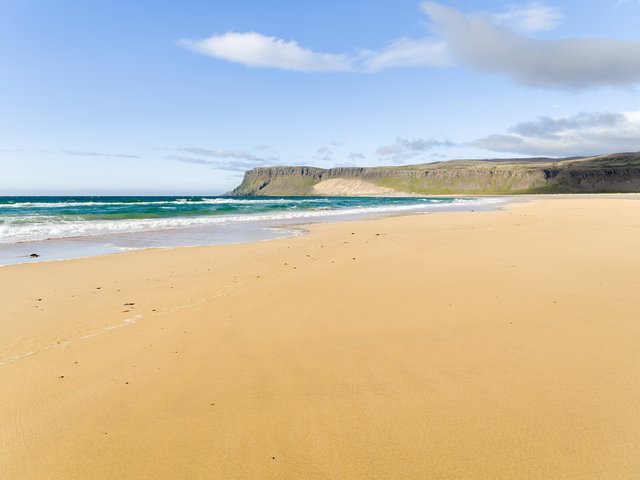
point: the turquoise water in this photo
(118, 223)
(25, 219)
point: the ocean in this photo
(55, 228)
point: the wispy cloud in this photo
(534, 17)
(12, 150)
(405, 52)
(575, 63)
(581, 134)
(74, 153)
(220, 159)
(404, 149)
(323, 154)
(353, 156)
(622, 2)
(221, 153)
(84, 153)
(228, 165)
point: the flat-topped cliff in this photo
(608, 173)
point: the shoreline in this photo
(497, 344)
(504, 200)
(251, 231)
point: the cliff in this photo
(609, 173)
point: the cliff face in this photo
(611, 173)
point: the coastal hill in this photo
(607, 173)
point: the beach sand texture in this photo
(477, 345)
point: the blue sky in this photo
(179, 97)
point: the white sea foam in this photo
(55, 228)
(179, 201)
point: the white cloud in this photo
(495, 43)
(569, 64)
(256, 50)
(581, 134)
(534, 17)
(259, 51)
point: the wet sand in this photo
(475, 345)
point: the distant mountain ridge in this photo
(613, 173)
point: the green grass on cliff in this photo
(445, 187)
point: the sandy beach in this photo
(467, 345)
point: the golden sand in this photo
(484, 345)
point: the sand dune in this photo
(484, 345)
(354, 187)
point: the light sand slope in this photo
(352, 187)
(486, 345)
